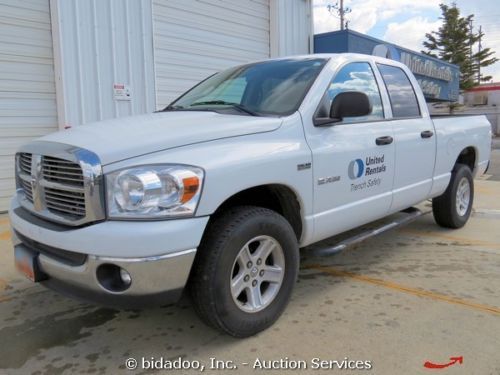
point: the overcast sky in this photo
(405, 22)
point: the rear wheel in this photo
(245, 270)
(453, 208)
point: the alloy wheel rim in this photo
(463, 196)
(257, 274)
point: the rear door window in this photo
(401, 94)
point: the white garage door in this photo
(194, 39)
(27, 89)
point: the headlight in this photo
(156, 191)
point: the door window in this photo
(357, 76)
(403, 99)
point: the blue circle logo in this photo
(356, 169)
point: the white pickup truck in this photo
(218, 191)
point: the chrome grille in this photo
(28, 191)
(65, 202)
(25, 163)
(62, 171)
(63, 184)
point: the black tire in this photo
(444, 207)
(214, 265)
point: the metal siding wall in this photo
(293, 28)
(103, 42)
(193, 39)
(27, 88)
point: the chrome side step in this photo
(412, 214)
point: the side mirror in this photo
(346, 104)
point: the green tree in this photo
(454, 42)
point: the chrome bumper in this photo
(155, 280)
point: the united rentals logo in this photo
(356, 169)
(372, 165)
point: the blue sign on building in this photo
(439, 80)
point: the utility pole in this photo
(341, 12)
(471, 35)
(479, 62)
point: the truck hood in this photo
(123, 138)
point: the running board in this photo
(412, 214)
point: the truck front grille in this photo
(28, 191)
(25, 163)
(62, 171)
(65, 202)
(68, 190)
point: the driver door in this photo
(353, 159)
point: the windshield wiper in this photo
(172, 108)
(241, 107)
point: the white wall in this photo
(194, 39)
(99, 43)
(291, 27)
(494, 98)
(27, 88)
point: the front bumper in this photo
(157, 276)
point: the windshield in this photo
(275, 88)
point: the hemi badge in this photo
(301, 167)
(328, 180)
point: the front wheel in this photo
(453, 208)
(245, 270)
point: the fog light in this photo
(113, 278)
(125, 276)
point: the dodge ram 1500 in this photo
(217, 192)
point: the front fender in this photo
(235, 164)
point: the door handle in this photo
(427, 134)
(386, 140)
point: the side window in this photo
(403, 99)
(356, 76)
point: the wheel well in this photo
(278, 198)
(467, 157)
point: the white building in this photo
(70, 62)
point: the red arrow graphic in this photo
(438, 366)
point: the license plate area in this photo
(26, 261)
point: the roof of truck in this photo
(347, 55)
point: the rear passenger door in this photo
(415, 140)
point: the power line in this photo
(485, 16)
